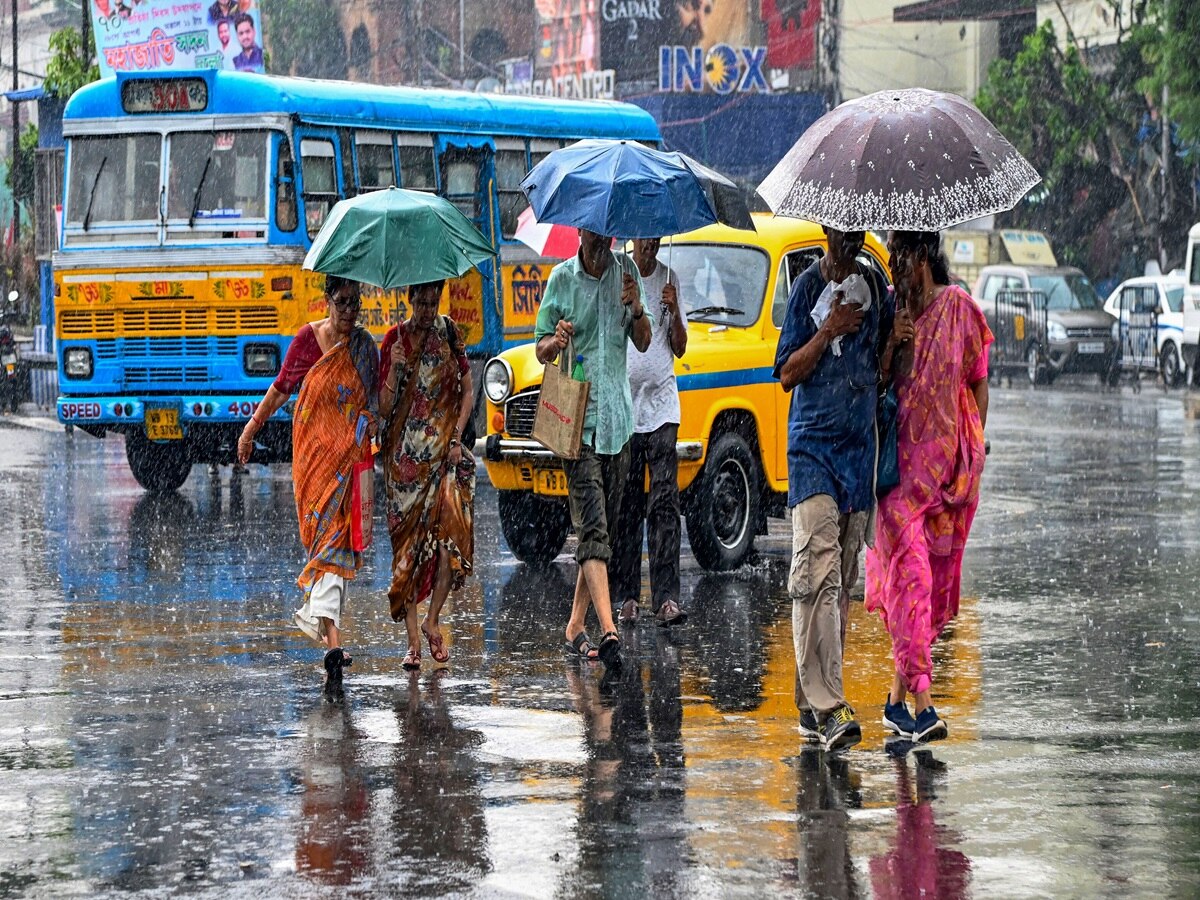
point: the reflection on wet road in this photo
(162, 729)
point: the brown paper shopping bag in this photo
(558, 423)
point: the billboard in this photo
(567, 39)
(164, 35)
(792, 32)
(632, 32)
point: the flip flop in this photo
(581, 646)
(437, 647)
(412, 660)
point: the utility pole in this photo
(16, 146)
(85, 33)
(1165, 169)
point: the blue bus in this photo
(190, 199)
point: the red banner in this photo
(791, 32)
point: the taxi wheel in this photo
(534, 528)
(157, 467)
(725, 505)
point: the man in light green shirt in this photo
(596, 299)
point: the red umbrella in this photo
(559, 241)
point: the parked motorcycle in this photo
(9, 388)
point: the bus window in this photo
(416, 164)
(510, 170)
(217, 176)
(320, 181)
(114, 179)
(375, 169)
(286, 218)
(460, 180)
(539, 150)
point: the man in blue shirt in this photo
(831, 364)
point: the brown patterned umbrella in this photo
(910, 160)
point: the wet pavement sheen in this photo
(162, 730)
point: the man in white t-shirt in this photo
(655, 429)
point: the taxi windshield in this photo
(719, 283)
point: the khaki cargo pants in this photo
(825, 549)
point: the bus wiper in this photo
(716, 311)
(87, 216)
(196, 196)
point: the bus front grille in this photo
(519, 413)
(198, 321)
(164, 376)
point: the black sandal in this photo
(335, 659)
(610, 650)
(581, 646)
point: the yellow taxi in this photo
(732, 443)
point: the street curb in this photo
(33, 423)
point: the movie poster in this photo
(632, 32)
(568, 38)
(792, 32)
(163, 35)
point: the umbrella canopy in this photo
(726, 198)
(544, 238)
(394, 238)
(910, 160)
(617, 188)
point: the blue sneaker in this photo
(929, 727)
(810, 728)
(898, 720)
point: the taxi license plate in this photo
(552, 482)
(1092, 347)
(163, 425)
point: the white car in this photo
(1165, 295)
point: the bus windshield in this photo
(114, 179)
(221, 175)
(214, 180)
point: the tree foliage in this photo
(69, 68)
(1092, 129)
(1176, 65)
(19, 178)
(305, 38)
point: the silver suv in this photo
(1079, 333)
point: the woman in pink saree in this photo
(940, 377)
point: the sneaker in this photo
(929, 727)
(840, 731)
(898, 720)
(810, 728)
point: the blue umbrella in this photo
(618, 189)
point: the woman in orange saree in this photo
(334, 363)
(940, 377)
(426, 393)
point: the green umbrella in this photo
(395, 238)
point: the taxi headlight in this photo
(1056, 331)
(497, 380)
(77, 362)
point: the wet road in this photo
(162, 730)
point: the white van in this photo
(1190, 341)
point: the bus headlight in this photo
(497, 380)
(77, 362)
(260, 359)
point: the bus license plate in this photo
(163, 425)
(1092, 347)
(552, 482)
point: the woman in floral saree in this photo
(427, 396)
(334, 364)
(940, 377)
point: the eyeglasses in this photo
(345, 302)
